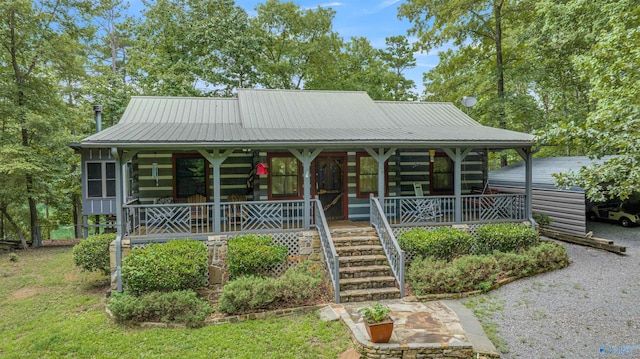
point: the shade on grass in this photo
(51, 310)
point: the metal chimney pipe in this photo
(98, 111)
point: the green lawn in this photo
(49, 309)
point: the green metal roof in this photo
(293, 117)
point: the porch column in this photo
(381, 157)
(457, 155)
(306, 156)
(215, 159)
(527, 156)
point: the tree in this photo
(38, 40)
(473, 24)
(398, 56)
(612, 69)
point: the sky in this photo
(373, 19)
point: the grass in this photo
(483, 307)
(51, 310)
(63, 232)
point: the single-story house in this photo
(284, 160)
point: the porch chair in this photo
(199, 211)
(236, 212)
(426, 208)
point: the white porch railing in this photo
(435, 210)
(197, 219)
(394, 254)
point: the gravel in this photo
(591, 309)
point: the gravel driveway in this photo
(591, 309)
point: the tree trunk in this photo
(497, 13)
(15, 226)
(77, 216)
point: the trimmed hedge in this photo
(479, 272)
(252, 254)
(175, 265)
(504, 237)
(172, 307)
(442, 243)
(296, 287)
(92, 253)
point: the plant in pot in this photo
(378, 323)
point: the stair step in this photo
(367, 283)
(360, 250)
(361, 295)
(353, 232)
(364, 272)
(355, 241)
(364, 260)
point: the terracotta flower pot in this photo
(380, 332)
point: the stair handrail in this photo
(395, 255)
(329, 250)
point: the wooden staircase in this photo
(365, 274)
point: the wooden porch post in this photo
(381, 157)
(306, 156)
(457, 155)
(216, 160)
(527, 156)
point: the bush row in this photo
(448, 243)
(297, 286)
(479, 272)
(168, 307)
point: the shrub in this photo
(504, 237)
(466, 273)
(297, 286)
(441, 243)
(542, 219)
(252, 254)
(175, 265)
(549, 256)
(515, 264)
(248, 293)
(171, 307)
(92, 253)
(13, 257)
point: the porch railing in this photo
(395, 255)
(435, 210)
(330, 254)
(189, 219)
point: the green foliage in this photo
(175, 265)
(168, 307)
(375, 313)
(441, 243)
(466, 273)
(504, 237)
(516, 264)
(92, 253)
(542, 219)
(296, 287)
(13, 257)
(252, 254)
(549, 256)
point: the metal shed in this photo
(565, 206)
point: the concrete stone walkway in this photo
(436, 329)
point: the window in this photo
(367, 169)
(101, 179)
(190, 176)
(284, 176)
(441, 174)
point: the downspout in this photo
(116, 155)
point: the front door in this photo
(331, 184)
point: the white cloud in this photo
(324, 5)
(387, 3)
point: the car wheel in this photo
(592, 216)
(625, 222)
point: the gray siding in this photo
(95, 206)
(566, 208)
